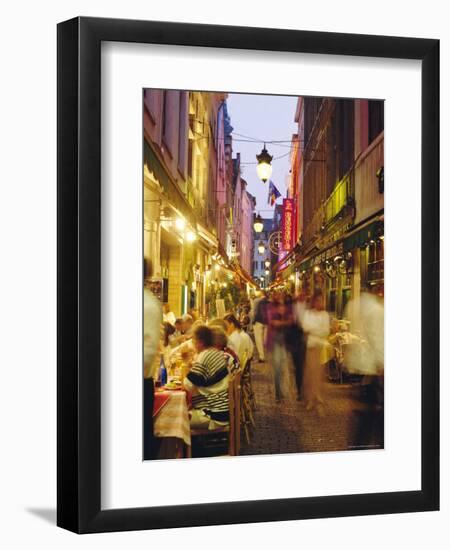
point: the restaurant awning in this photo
(244, 276)
(155, 167)
(171, 189)
(354, 239)
(364, 235)
(306, 264)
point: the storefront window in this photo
(375, 264)
(346, 292)
(346, 297)
(332, 295)
(332, 302)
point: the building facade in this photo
(190, 186)
(339, 168)
(246, 249)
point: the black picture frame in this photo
(79, 274)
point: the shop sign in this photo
(287, 225)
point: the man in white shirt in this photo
(151, 347)
(168, 316)
(152, 331)
(259, 320)
(240, 342)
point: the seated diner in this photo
(207, 380)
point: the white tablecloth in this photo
(173, 419)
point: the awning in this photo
(306, 264)
(364, 235)
(245, 277)
(354, 239)
(171, 190)
(155, 167)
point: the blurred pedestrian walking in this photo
(280, 320)
(366, 316)
(296, 342)
(260, 324)
(316, 326)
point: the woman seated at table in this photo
(220, 341)
(207, 381)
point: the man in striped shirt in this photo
(208, 382)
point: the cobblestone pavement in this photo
(287, 427)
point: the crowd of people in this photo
(209, 352)
(288, 333)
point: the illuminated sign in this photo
(287, 225)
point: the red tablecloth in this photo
(171, 418)
(159, 401)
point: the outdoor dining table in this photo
(172, 418)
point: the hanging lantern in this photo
(261, 247)
(330, 269)
(264, 167)
(267, 263)
(258, 224)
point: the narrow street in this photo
(263, 227)
(287, 427)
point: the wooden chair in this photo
(237, 390)
(247, 398)
(233, 428)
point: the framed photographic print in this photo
(248, 315)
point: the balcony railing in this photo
(334, 205)
(340, 197)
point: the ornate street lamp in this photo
(267, 272)
(267, 263)
(264, 168)
(258, 224)
(261, 247)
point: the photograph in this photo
(263, 274)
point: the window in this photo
(169, 122)
(312, 108)
(165, 292)
(151, 101)
(164, 114)
(332, 302)
(376, 118)
(183, 133)
(332, 295)
(375, 263)
(190, 159)
(346, 297)
(345, 136)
